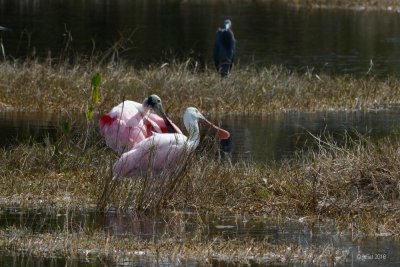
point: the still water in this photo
(280, 136)
(186, 225)
(255, 138)
(268, 33)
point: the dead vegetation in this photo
(355, 184)
(33, 85)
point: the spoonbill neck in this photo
(194, 134)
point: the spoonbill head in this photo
(191, 119)
(155, 103)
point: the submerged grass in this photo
(60, 87)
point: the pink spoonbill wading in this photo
(130, 122)
(161, 152)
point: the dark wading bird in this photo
(224, 49)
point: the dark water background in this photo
(269, 33)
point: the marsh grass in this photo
(63, 87)
(153, 190)
(388, 5)
(356, 185)
(82, 245)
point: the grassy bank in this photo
(353, 187)
(100, 245)
(387, 5)
(33, 85)
(356, 186)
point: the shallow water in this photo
(268, 33)
(362, 251)
(17, 126)
(275, 137)
(255, 138)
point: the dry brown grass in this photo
(356, 185)
(387, 5)
(34, 85)
(173, 251)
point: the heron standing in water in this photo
(224, 49)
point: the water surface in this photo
(268, 33)
(254, 138)
(139, 226)
(276, 137)
(18, 126)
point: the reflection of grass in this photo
(60, 87)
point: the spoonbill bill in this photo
(161, 152)
(130, 122)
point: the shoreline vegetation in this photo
(34, 85)
(354, 186)
(103, 247)
(384, 5)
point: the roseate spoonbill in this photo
(224, 49)
(130, 122)
(163, 151)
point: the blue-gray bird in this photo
(224, 49)
(4, 29)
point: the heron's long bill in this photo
(222, 134)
